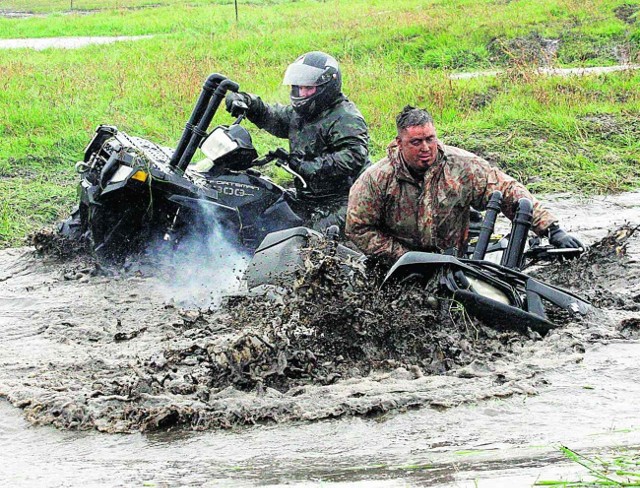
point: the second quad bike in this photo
(134, 191)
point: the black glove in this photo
(295, 163)
(236, 97)
(559, 238)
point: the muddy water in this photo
(60, 361)
(595, 70)
(64, 42)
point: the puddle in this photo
(64, 42)
(11, 14)
(75, 351)
(598, 70)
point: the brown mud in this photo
(627, 12)
(88, 348)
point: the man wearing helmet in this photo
(328, 137)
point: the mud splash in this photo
(88, 351)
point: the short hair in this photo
(411, 117)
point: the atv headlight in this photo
(488, 290)
(121, 174)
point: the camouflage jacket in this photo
(391, 213)
(333, 146)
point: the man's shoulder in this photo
(382, 170)
(459, 154)
(457, 157)
(346, 110)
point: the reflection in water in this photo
(64, 42)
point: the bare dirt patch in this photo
(528, 50)
(627, 12)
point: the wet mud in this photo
(627, 12)
(89, 348)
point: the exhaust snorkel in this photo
(208, 88)
(488, 224)
(200, 131)
(512, 257)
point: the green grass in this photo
(620, 470)
(578, 134)
(49, 6)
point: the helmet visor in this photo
(302, 75)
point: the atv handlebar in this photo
(281, 158)
(537, 254)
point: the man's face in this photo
(307, 91)
(419, 147)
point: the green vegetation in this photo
(49, 6)
(622, 470)
(578, 134)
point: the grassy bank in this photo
(579, 134)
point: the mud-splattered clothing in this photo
(331, 149)
(391, 213)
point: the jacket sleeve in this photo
(347, 151)
(275, 118)
(512, 191)
(365, 222)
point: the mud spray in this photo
(89, 350)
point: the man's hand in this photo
(236, 97)
(295, 163)
(306, 169)
(559, 238)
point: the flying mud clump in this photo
(334, 324)
(49, 242)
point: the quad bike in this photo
(133, 191)
(499, 294)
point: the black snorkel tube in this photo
(488, 224)
(512, 257)
(208, 88)
(195, 130)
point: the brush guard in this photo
(501, 297)
(498, 294)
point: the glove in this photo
(236, 97)
(306, 168)
(559, 238)
(295, 163)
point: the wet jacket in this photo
(391, 213)
(333, 146)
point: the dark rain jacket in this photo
(391, 213)
(331, 147)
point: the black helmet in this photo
(314, 69)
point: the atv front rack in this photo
(501, 297)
